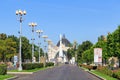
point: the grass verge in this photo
(2, 77)
(32, 70)
(84, 68)
(103, 75)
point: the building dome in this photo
(64, 42)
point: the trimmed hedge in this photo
(29, 66)
(48, 64)
(3, 69)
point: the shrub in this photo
(28, 66)
(48, 64)
(116, 74)
(38, 65)
(94, 67)
(3, 69)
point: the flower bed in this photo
(112, 73)
(89, 67)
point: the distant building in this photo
(58, 53)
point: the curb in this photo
(27, 72)
(96, 75)
(19, 72)
(11, 78)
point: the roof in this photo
(64, 41)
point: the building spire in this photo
(63, 36)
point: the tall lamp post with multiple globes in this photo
(32, 24)
(20, 15)
(39, 34)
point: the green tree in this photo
(7, 49)
(116, 43)
(41, 52)
(3, 36)
(15, 39)
(2, 50)
(26, 49)
(81, 48)
(10, 47)
(70, 53)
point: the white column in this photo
(60, 47)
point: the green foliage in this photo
(3, 69)
(116, 74)
(88, 56)
(26, 49)
(3, 36)
(113, 43)
(7, 49)
(9, 46)
(110, 47)
(29, 66)
(70, 53)
(5, 77)
(81, 48)
(48, 64)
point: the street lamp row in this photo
(20, 15)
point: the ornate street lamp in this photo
(32, 24)
(20, 14)
(39, 34)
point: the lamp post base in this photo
(20, 69)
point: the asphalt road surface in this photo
(65, 72)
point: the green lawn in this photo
(103, 75)
(2, 77)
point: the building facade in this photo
(58, 53)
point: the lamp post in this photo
(44, 37)
(32, 24)
(20, 13)
(49, 43)
(39, 32)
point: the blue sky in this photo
(79, 20)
